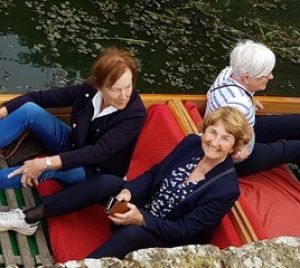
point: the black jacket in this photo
(104, 145)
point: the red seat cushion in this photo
(226, 235)
(159, 136)
(271, 200)
(193, 111)
(75, 235)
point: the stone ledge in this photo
(278, 252)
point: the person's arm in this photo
(192, 225)
(32, 169)
(107, 145)
(56, 97)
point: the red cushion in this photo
(271, 200)
(226, 234)
(193, 111)
(75, 235)
(159, 136)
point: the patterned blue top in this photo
(172, 190)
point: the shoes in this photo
(15, 220)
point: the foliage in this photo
(181, 44)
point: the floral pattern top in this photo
(172, 190)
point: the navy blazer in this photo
(104, 145)
(197, 216)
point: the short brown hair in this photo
(110, 66)
(234, 122)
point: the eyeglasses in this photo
(269, 76)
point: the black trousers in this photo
(98, 190)
(277, 143)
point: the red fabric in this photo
(271, 200)
(226, 234)
(48, 187)
(75, 235)
(159, 136)
(193, 111)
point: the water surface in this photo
(181, 45)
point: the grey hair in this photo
(252, 58)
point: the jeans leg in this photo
(92, 191)
(67, 177)
(125, 240)
(53, 133)
(6, 183)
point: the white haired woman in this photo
(275, 138)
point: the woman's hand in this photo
(241, 154)
(3, 112)
(124, 195)
(30, 171)
(257, 105)
(133, 216)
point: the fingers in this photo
(35, 181)
(14, 173)
(24, 181)
(28, 181)
(131, 206)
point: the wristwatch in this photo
(48, 162)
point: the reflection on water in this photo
(22, 77)
(181, 45)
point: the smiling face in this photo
(118, 95)
(217, 143)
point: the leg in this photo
(69, 176)
(80, 195)
(125, 240)
(269, 155)
(271, 128)
(53, 133)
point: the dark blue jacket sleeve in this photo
(192, 225)
(56, 97)
(110, 143)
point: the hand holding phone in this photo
(115, 206)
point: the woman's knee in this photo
(108, 183)
(132, 234)
(30, 107)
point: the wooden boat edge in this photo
(272, 104)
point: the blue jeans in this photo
(53, 133)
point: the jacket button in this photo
(72, 145)
(97, 130)
(74, 125)
(87, 95)
(98, 170)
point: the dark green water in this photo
(181, 45)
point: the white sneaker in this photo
(15, 220)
